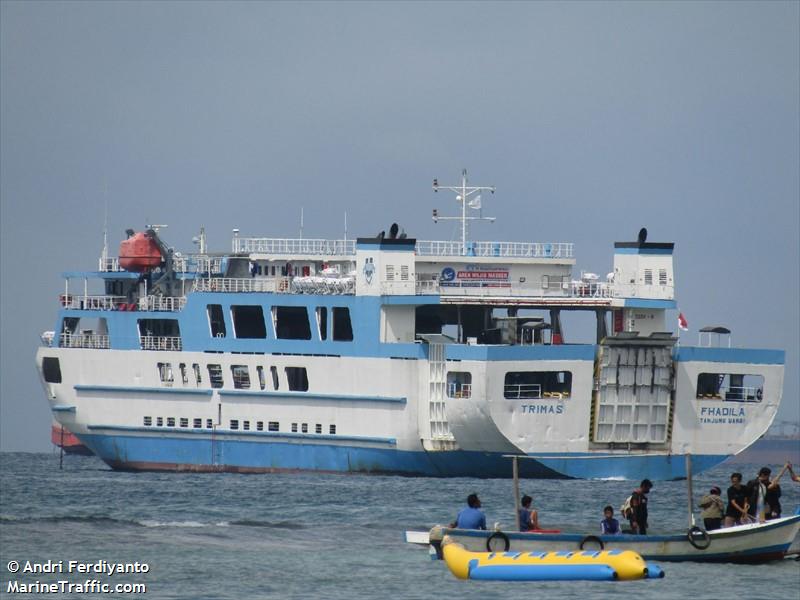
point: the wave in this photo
(149, 523)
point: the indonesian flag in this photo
(682, 322)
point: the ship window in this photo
(160, 421)
(209, 424)
(159, 334)
(294, 427)
(170, 421)
(274, 426)
(731, 387)
(459, 384)
(318, 428)
(662, 277)
(304, 428)
(165, 373)
(260, 425)
(241, 377)
(322, 322)
(332, 429)
(184, 422)
(184, 376)
(248, 322)
(197, 376)
(274, 370)
(291, 323)
(538, 384)
(297, 378)
(51, 369)
(342, 327)
(148, 421)
(215, 376)
(261, 381)
(234, 423)
(198, 423)
(648, 276)
(246, 425)
(545, 282)
(216, 322)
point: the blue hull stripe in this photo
(730, 355)
(171, 448)
(119, 389)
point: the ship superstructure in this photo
(394, 355)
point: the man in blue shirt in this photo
(471, 517)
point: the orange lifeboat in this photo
(139, 252)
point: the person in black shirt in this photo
(638, 512)
(763, 493)
(738, 505)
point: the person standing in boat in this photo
(638, 512)
(528, 518)
(738, 504)
(759, 489)
(713, 509)
(609, 525)
(471, 517)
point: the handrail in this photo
(295, 246)
(83, 340)
(155, 342)
(148, 303)
(499, 249)
(522, 390)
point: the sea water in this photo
(317, 536)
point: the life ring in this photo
(594, 539)
(499, 535)
(759, 394)
(704, 541)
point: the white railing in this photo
(151, 303)
(189, 263)
(295, 246)
(523, 390)
(250, 284)
(157, 342)
(162, 303)
(83, 340)
(77, 302)
(109, 264)
(323, 285)
(500, 249)
(468, 288)
(459, 390)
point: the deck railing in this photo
(499, 249)
(148, 303)
(83, 340)
(295, 246)
(158, 342)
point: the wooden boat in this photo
(752, 543)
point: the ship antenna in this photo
(463, 193)
(104, 253)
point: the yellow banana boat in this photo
(543, 566)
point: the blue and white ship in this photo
(394, 355)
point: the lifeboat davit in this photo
(139, 252)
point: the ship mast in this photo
(463, 193)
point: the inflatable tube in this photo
(498, 535)
(698, 537)
(543, 566)
(594, 539)
(654, 571)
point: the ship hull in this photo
(198, 453)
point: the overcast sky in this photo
(592, 119)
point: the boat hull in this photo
(260, 452)
(754, 543)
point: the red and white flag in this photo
(682, 322)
